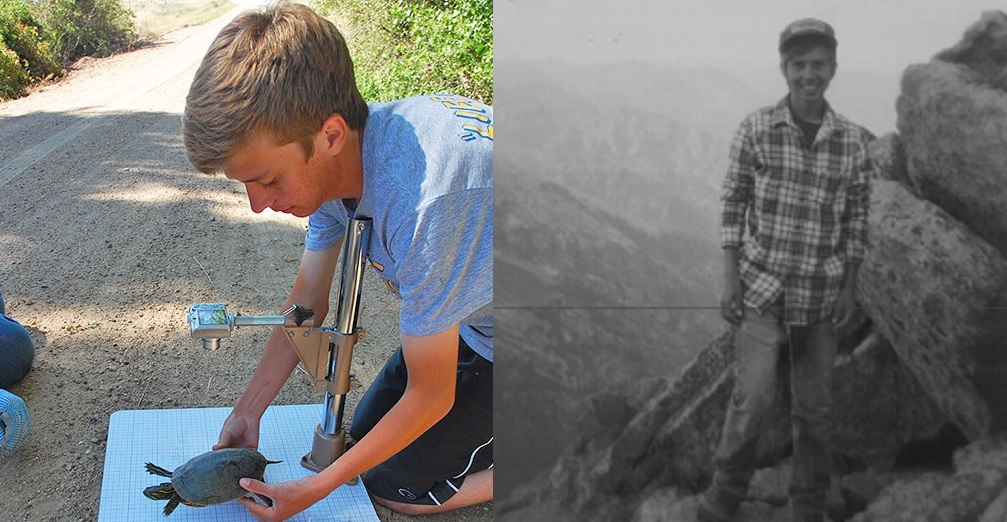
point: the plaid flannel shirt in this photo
(805, 210)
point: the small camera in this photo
(210, 322)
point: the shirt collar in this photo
(830, 122)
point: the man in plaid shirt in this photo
(799, 179)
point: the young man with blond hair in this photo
(799, 179)
(274, 105)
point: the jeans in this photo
(758, 344)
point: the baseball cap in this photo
(806, 27)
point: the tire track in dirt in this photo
(124, 82)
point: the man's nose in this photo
(258, 197)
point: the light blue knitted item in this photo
(14, 422)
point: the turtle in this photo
(209, 478)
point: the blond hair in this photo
(282, 70)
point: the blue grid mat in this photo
(168, 438)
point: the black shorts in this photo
(432, 468)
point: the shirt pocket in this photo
(828, 192)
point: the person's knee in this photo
(443, 496)
(17, 352)
(753, 401)
(755, 389)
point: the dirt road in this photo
(107, 236)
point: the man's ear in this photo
(334, 131)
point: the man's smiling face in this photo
(808, 74)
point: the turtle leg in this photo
(172, 504)
(157, 470)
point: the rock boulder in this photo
(937, 293)
(972, 491)
(952, 121)
(983, 49)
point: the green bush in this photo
(24, 34)
(404, 48)
(88, 27)
(37, 37)
(13, 77)
(24, 52)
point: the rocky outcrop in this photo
(952, 121)
(671, 440)
(767, 498)
(935, 290)
(889, 158)
(973, 491)
(880, 406)
(983, 49)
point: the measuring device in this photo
(325, 353)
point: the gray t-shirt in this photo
(428, 188)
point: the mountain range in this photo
(606, 259)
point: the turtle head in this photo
(162, 491)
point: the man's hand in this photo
(732, 305)
(239, 431)
(844, 311)
(289, 498)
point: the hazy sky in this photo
(878, 37)
(874, 35)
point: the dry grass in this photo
(157, 17)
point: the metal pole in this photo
(330, 437)
(351, 279)
(258, 320)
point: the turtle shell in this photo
(212, 478)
